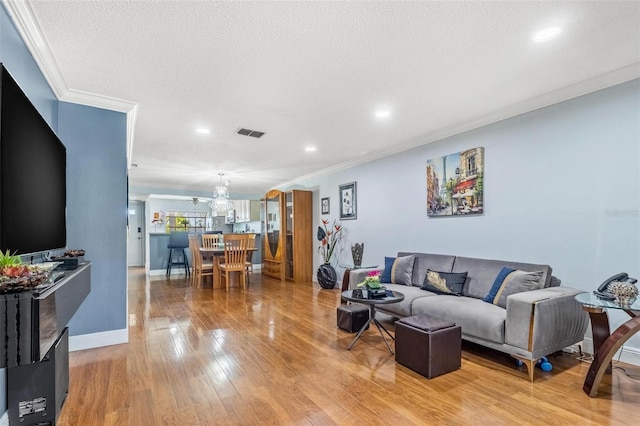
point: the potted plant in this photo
(328, 237)
(371, 281)
(16, 276)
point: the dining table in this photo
(216, 253)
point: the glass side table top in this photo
(352, 267)
(590, 299)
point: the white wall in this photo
(562, 187)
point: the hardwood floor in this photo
(273, 355)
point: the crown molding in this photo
(23, 17)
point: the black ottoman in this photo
(352, 317)
(428, 345)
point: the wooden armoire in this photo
(288, 245)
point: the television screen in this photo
(33, 193)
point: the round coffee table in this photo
(391, 297)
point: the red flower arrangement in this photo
(372, 280)
(328, 237)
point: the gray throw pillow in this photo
(402, 270)
(510, 282)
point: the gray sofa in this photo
(534, 324)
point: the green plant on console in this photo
(8, 259)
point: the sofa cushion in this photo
(424, 261)
(510, 282)
(398, 270)
(403, 309)
(477, 318)
(444, 282)
(483, 272)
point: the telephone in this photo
(602, 292)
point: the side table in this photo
(391, 297)
(605, 345)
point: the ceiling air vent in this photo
(249, 132)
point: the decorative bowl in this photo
(624, 292)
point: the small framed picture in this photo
(348, 201)
(324, 202)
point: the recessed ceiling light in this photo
(546, 34)
(383, 114)
(203, 131)
(310, 149)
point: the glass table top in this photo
(590, 299)
(352, 267)
(390, 297)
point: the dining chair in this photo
(249, 263)
(235, 258)
(201, 268)
(211, 240)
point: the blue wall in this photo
(97, 210)
(562, 187)
(96, 188)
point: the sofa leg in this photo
(531, 366)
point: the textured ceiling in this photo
(314, 73)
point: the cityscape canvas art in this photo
(455, 184)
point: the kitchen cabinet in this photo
(247, 211)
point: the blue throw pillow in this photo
(511, 281)
(386, 274)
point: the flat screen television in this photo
(33, 164)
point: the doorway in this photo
(135, 240)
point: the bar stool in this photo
(178, 241)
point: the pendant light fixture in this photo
(221, 202)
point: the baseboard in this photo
(98, 340)
(628, 354)
(157, 272)
(4, 420)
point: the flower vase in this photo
(356, 253)
(327, 277)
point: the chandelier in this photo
(221, 202)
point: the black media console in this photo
(35, 346)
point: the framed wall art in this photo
(455, 184)
(324, 203)
(348, 201)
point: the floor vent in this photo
(249, 132)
